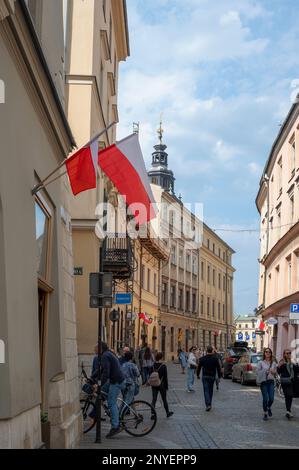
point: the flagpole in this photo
(40, 185)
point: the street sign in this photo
(123, 299)
(272, 321)
(294, 312)
(100, 302)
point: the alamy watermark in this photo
(2, 92)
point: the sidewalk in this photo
(181, 431)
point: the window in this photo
(219, 311)
(213, 247)
(42, 219)
(187, 301)
(208, 244)
(164, 293)
(173, 255)
(149, 280)
(194, 265)
(104, 9)
(213, 308)
(279, 178)
(202, 271)
(172, 339)
(172, 296)
(181, 259)
(224, 283)
(208, 306)
(223, 312)
(110, 35)
(194, 309)
(208, 274)
(142, 276)
(214, 275)
(219, 252)
(188, 261)
(181, 299)
(292, 207)
(202, 305)
(155, 284)
(293, 155)
(219, 281)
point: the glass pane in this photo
(41, 221)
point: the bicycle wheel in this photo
(138, 419)
(88, 407)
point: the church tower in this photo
(159, 173)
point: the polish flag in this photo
(124, 165)
(82, 168)
(145, 318)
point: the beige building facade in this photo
(37, 316)
(98, 42)
(278, 204)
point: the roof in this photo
(241, 318)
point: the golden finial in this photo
(160, 130)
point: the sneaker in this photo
(289, 415)
(208, 408)
(265, 418)
(190, 391)
(169, 414)
(113, 432)
(270, 413)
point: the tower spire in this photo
(161, 130)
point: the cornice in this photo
(290, 236)
(120, 20)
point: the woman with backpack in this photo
(286, 370)
(266, 371)
(147, 364)
(159, 383)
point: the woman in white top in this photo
(266, 371)
(191, 368)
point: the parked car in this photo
(244, 371)
(231, 357)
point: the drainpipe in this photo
(266, 181)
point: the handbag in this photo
(285, 380)
(261, 377)
(193, 367)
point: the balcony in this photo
(118, 257)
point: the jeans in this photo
(190, 378)
(113, 391)
(288, 395)
(129, 394)
(268, 390)
(208, 388)
(163, 393)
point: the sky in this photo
(223, 74)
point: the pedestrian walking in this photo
(159, 383)
(217, 380)
(266, 371)
(132, 374)
(182, 359)
(191, 368)
(112, 383)
(147, 364)
(287, 370)
(210, 366)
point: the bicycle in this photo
(137, 419)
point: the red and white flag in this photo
(124, 165)
(145, 318)
(82, 168)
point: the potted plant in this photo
(46, 429)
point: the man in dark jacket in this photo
(209, 365)
(112, 383)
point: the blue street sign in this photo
(123, 299)
(240, 336)
(294, 308)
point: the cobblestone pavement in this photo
(234, 422)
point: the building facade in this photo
(216, 292)
(37, 316)
(196, 284)
(278, 204)
(246, 326)
(98, 42)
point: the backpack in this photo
(154, 379)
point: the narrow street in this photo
(234, 422)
